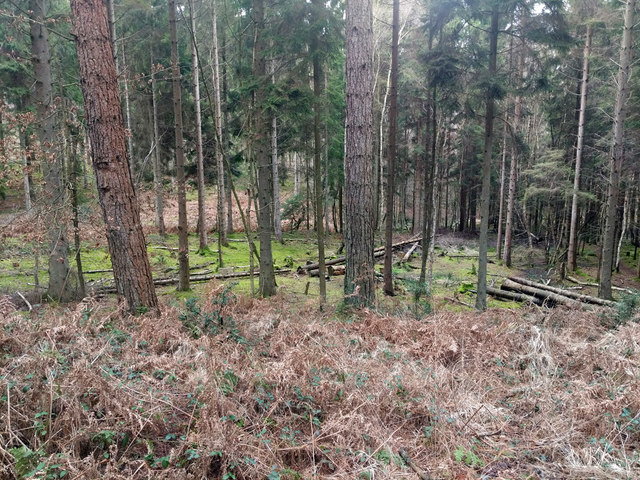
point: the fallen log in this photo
(339, 270)
(566, 293)
(331, 271)
(192, 267)
(545, 295)
(407, 255)
(597, 285)
(467, 256)
(513, 296)
(377, 253)
(110, 288)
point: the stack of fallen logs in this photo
(522, 290)
(311, 269)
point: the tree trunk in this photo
(318, 77)
(277, 220)
(623, 230)
(195, 70)
(485, 196)
(131, 268)
(513, 171)
(615, 162)
(221, 146)
(262, 144)
(503, 167)
(157, 165)
(359, 286)
(183, 233)
(25, 170)
(127, 113)
(61, 284)
(74, 169)
(225, 132)
(391, 162)
(572, 252)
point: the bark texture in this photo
(183, 234)
(61, 287)
(99, 81)
(573, 234)
(195, 69)
(221, 145)
(157, 164)
(391, 163)
(359, 286)
(481, 298)
(263, 146)
(317, 155)
(615, 162)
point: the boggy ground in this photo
(229, 387)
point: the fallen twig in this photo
(25, 301)
(408, 461)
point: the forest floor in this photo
(225, 386)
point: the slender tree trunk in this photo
(74, 169)
(391, 163)
(157, 165)
(265, 169)
(318, 77)
(615, 162)
(464, 185)
(183, 233)
(485, 196)
(513, 171)
(195, 70)
(503, 167)
(220, 144)
(131, 268)
(325, 177)
(573, 231)
(225, 133)
(127, 113)
(25, 171)
(359, 286)
(623, 229)
(417, 183)
(296, 173)
(277, 220)
(61, 287)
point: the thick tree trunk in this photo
(195, 71)
(572, 252)
(485, 196)
(615, 162)
(131, 268)
(262, 144)
(391, 162)
(183, 233)
(61, 283)
(359, 286)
